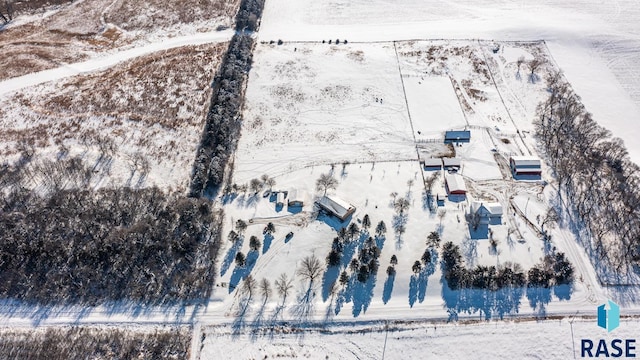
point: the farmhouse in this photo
(457, 136)
(451, 163)
(336, 207)
(297, 197)
(455, 184)
(487, 212)
(525, 165)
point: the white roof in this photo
(451, 162)
(297, 195)
(526, 161)
(431, 162)
(492, 208)
(455, 182)
(335, 205)
(280, 198)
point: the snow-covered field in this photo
(550, 339)
(314, 109)
(596, 44)
(294, 135)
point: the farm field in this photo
(449, 85)
(595, 44)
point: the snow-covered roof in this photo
(280, 198)
(336, 206)
(525, 161)
(298, 196)
(455, 183)
(490, 208)
(431, 162)
(451, 162)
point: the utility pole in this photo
(386, 333)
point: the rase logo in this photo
(608, 319)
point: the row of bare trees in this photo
(88, 342)
(595, 172)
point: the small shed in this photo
(297, 197)
(440, 198)
(336, 207)
(452, 163)
(525, 165)
(487, 212)
(455, 184)
(457, 136)
(280, 199)
(432, 164)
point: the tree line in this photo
(594, 170)
(554, 269)
(76, 245)
(224, 119)
(84, 342)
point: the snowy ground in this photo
(372, 148)
(294, 91)
(551, 339)
(595, 43)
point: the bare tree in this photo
(255, 185)
(326, 182)
(428, 183)
(310, 268)
(401, 205)
(284, 286)
(533, 66)
(270, 183)
(265, 289)
(441, 215)
(519, 63)
(249, 285)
